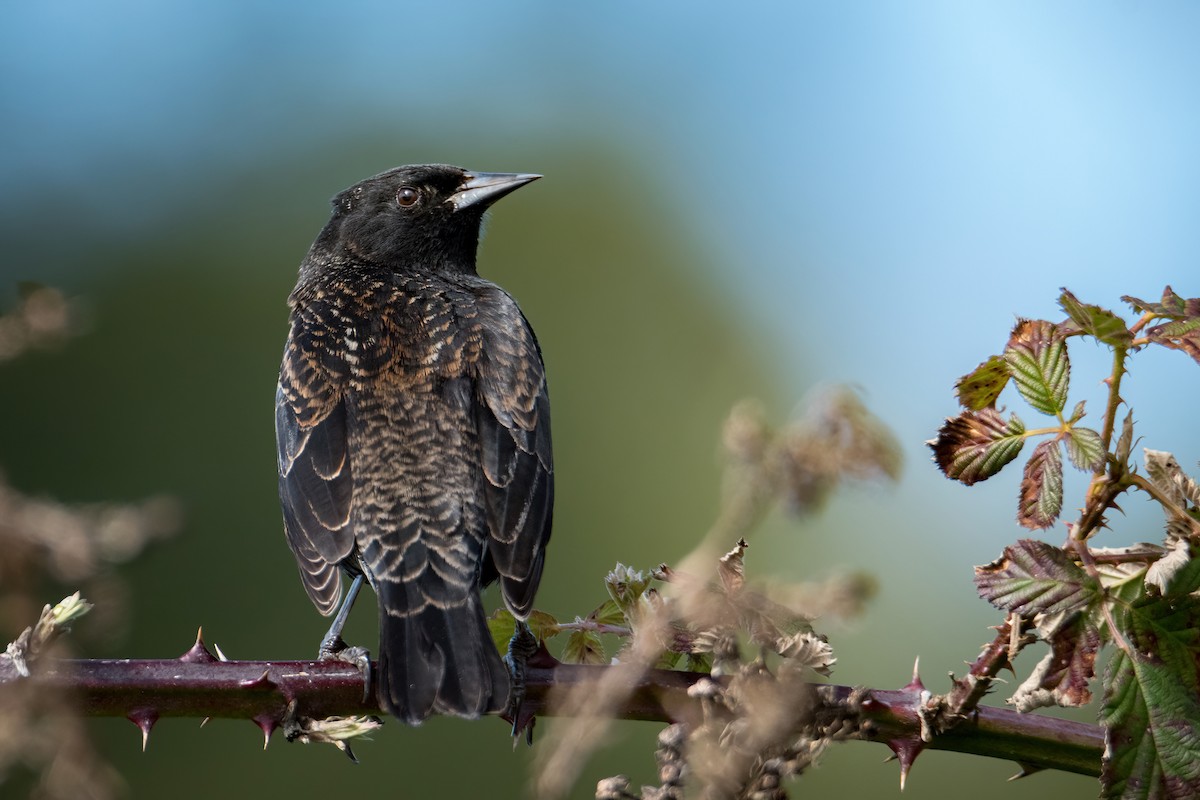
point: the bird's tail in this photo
(436, 660)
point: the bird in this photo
(413, 431)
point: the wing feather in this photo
(513, 424)
(315, 484)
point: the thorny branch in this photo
(199, 685)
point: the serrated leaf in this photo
(1032, 576)
(981, 387)
(1183, 335)
(1095, 321)
(583, 647)
(542, 625)
(975, 445)
(1085, 448)
(1151, 710)
(1063, 677)
(502, 625)
(1170, 306)
(1182, 331)
(1037, 359)
(608, 613)
(1042, 487)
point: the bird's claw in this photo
(335, 649)
(521, 647)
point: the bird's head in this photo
(419, 217)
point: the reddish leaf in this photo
(1062, 678)
(1182, 331)
(975, 445)
(1033, 577)
(1181, 335)
(1042, 487)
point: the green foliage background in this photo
(171, 391)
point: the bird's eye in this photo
(407, 196)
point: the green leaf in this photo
(1151, 710)
(1037, 359)
(669, 660)
(541, 624)
(583, 647)
(1085, 449)
(1042, 487)
(975, 445)
(981, 387)
(502, 625)
(1095, 321)
(1032, 576)
(608, 613)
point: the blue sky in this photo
(884, 186)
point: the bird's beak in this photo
(484, 188)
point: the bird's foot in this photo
(521, 647)
(334, 648)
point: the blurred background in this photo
(737, 204)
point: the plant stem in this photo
(262, 690)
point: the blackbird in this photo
(413, 431)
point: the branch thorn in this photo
(1026, 771)
(198, 653)
(267, 723)
(144, 718)
(261, 683)
(906, 751)
(915, 685)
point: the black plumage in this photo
(413, 427)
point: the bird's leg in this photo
(521, 647)
(334, 648)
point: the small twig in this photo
(1170, 506)
(595, 627)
